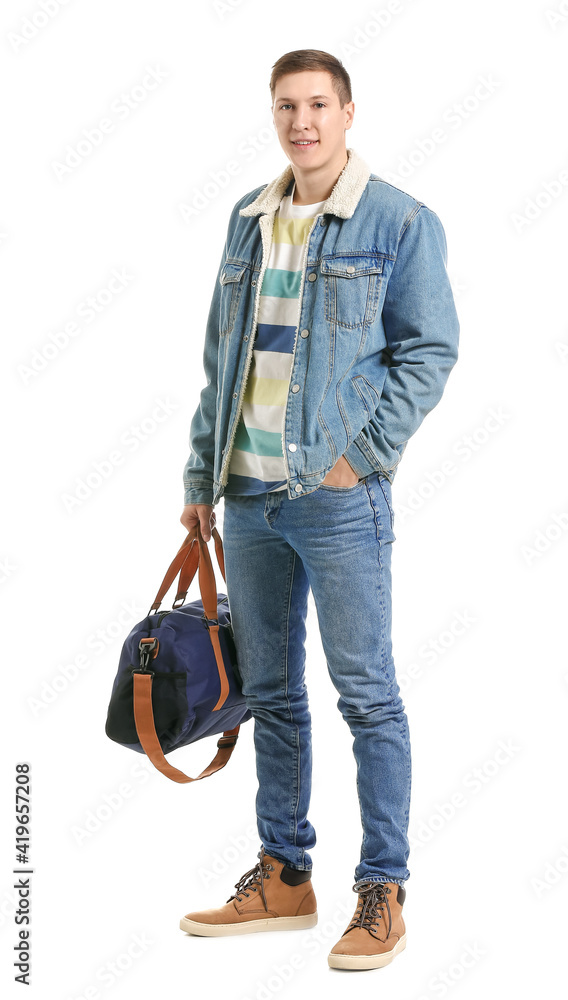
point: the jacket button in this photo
(305, 333)
(298, 488)
(312, 276)
(234, 395)
(253, 282)
(295, 388)
(350, 269)
(245, 337)
(291, 447)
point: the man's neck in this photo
(312, 186)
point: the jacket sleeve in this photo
(422, 333)
(198, 471)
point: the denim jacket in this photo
(376, 340)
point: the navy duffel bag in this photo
(178, 679)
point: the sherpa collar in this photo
(342, 201)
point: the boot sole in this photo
(249, 926)
(366, 961)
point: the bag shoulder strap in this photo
(144, 719)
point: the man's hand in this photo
(199, 513)
(341, 475)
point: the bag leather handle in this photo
(180, 562)
(189, 567)
(193, 556)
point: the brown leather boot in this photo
(269, 897)
(377, 932)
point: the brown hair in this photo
(313, 59)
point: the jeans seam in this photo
(391, 511)
(297, 762)
(382, 606)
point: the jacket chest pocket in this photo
(231, 281)
(352, 288)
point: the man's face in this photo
(309, 121)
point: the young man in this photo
(331, 335)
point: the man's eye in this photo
(317, 103)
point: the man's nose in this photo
(301, 119)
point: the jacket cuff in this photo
(359, 461)
(198, 494)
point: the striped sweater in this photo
(257, 458)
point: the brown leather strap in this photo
(173, 570)
(189, 567)
(219, 552)
(187, 573)
(185, 563)
(144, 719)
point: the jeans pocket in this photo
(340, 489)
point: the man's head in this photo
(311, 103)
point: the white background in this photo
(481, 501)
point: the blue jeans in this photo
(336, 541)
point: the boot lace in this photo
(371, 906)
(255, 876)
